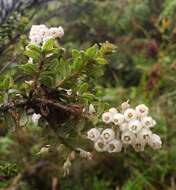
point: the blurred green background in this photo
(143, 70)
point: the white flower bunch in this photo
(128, 127)
(41, 33)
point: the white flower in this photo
(125, 105)
(67, 166)
(118, 118)
(108, 134)
(91, 108)
(56, 32)
(123, 126)
(100, 145)
(47, 38)
(138, 145)
(30, 60)
(60, 32)
(69, 92)
(129, 114)
(135, 126)
(36, 40)
(114, 146)
(43, 32)
(142, 110)
(144, 135)
(93, 134)
(113, 111)
(35, 30)
(148, 122)
(155, 141)
(44, 149)
(30, 82)
(35, 118)
(107, 117)
(127, 137)
(84, 154)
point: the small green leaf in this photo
(92, 51)
(7, 83)
(48, 45)
(29, 68)
(88, 96)
(32, 54)
(83, 88)
(101, 61)
(47, 78)
(34, 48)
(75, 53)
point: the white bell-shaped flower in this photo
(35, 118)
(148, 122)
(127, 137)
(36, 40)
(125, 106)
(44, 32)
(100, 145)
(135, 126)
(138, 145)
(93, 134)
(56, 32)
(142, 110)
(108, 134)
(129, 114)
(123, 126)
(107, 117)
(155, 141)
(113, 111)
(118, 118)
(114, 146)
(144, 135)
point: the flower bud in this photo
(155, 141)
(125, 106)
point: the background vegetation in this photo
(143, 69)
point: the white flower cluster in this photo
(129, 127)
(41, 33)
